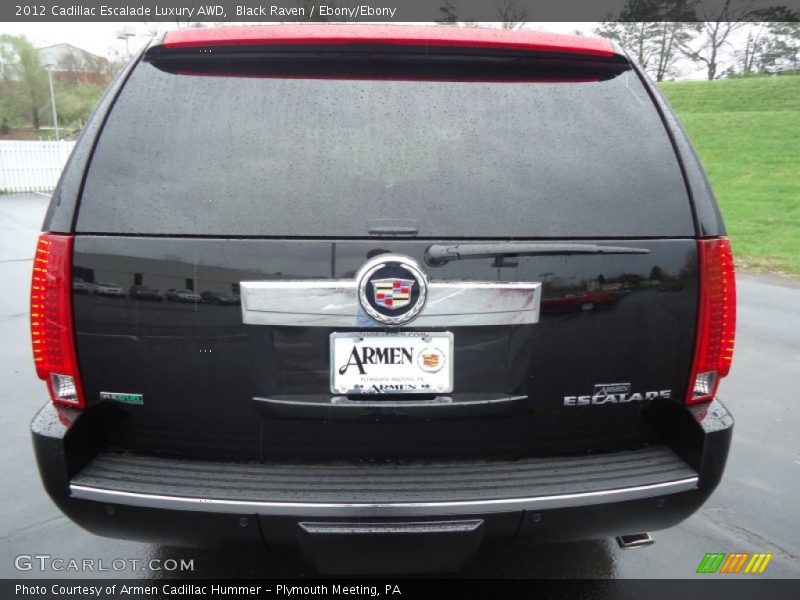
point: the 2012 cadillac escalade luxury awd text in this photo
(429, 287)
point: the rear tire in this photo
(586, 306)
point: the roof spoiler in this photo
(387, 52)
(388, 35)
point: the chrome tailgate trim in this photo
(334, 303)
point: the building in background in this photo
(75, 65)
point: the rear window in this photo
(248, 154)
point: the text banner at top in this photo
(396, 11)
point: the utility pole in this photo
(49, 67)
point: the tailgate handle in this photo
(454, 406)
(335, 303)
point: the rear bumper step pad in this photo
(378, 490)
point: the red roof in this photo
(465, 37)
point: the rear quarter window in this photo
(233, 155)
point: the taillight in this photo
(52, 330)
(716, 319)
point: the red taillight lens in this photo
(52, 331)
(716, 319)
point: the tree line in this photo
(663, 34)
(659, 33)
(25, 89)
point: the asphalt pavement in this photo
(753, 510)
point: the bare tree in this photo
(633, 36)
(651, 31)
(720, 20)
(511, 14)
(752, 57)
(448, 12)
(670, 36)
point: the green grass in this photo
(747, 133)
(30, 134)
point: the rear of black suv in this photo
(434, 287)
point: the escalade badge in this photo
(615, 393)
(392, 289)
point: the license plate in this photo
(392, 363)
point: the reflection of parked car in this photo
(584, 301)
(145, 292)
(109, 289)
(79, 286)
(220, 299)
(181, 295)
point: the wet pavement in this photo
(753, 510)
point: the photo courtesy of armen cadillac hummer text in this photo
(379, 295)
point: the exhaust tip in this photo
(637, 540)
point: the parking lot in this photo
(753, 510)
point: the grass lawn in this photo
(747, 133)
(31, 134)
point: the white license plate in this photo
(392, 363)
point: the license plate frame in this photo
(429, 369)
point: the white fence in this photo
(32, 166)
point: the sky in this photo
(98, 38)
(101, 38)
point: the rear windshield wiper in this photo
(438, 254)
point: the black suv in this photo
(484, 293)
